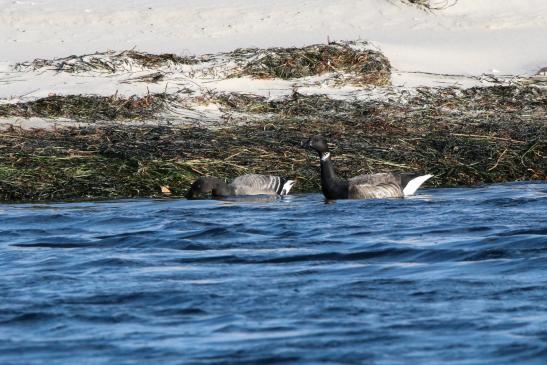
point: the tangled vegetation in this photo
(463, 137)
(369, 66)
(87, 107)
(109, 61)
(362, 65)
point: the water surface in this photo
(451, 276)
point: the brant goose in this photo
(251, 184)
(382, 185)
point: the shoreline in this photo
(484, 135)
(96, 146)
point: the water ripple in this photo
(448, 276)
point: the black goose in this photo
(382, 185)
(250, 184)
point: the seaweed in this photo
(87, 107)
(109, 61)
(361, 65)
(369, 66)
(463, 137)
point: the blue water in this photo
(450, 276)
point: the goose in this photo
(381, 185)
(250, 184)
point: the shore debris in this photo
(109, 61)
(369, 67)
(155, 145)
(87, 107)
(357, 61)
(463, 137)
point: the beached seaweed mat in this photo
(87, 107)
(369, 66)
(131, 161)
(360, 64)
(463, 137)
(109, 62)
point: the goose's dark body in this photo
(250, 184)
(381, 185)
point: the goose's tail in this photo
(415, 184)
(287, 187)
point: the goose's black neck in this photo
(333, 187)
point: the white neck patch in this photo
(325, 156)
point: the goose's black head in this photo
(317, 143)
(205, 186)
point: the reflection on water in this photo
(448, 276)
